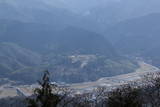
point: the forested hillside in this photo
(139, 37)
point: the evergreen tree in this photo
(44, 95)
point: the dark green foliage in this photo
(44, 95)
(32, 103)
(13, 102)
(129, 95)
(151, 89)
(126, 96)
(144, 94)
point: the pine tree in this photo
(44, 95)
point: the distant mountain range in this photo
(13, 57)
(42, 37)
(139, 36)
(69, 53)
(93, 15)
(76, 43)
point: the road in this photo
(108, 82)
(115, 81)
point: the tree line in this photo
(145, 93)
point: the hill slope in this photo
(69, 54)
(139, 36)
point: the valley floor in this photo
(111, 82)
(8, 90)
